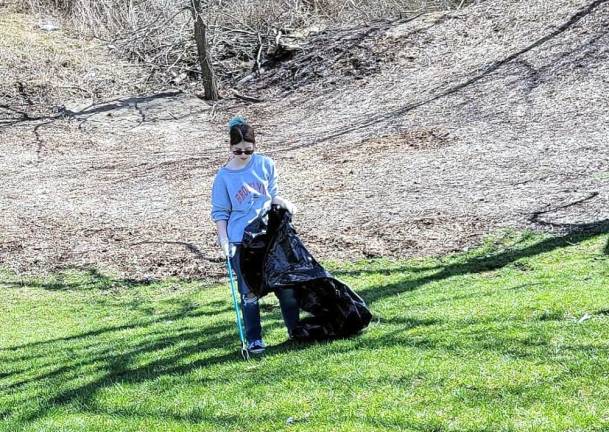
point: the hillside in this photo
(405, 138)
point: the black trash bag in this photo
(273, 257)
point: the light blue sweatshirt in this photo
(240, 196)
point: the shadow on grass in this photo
(171, 341)
(187, 312)
(576, 233)
(473, 295)
(407, 323)
(90, 279)
(384, 271)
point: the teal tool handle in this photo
(235, 304)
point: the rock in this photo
(48, 26)
(585, 317)
(373, 248)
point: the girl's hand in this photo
(284, 203)
(228, 249)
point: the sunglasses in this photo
(240, 152)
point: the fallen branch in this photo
(245, 97)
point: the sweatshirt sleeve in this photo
(220, 201)
(273, 188)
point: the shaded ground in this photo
(418, 138)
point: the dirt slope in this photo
(416, 137)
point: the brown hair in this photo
(242, 132)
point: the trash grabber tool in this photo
(244, 352)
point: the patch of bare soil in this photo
(459, 125)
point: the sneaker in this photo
(256, 347)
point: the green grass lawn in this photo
(511, 336)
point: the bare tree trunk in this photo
(207, 71)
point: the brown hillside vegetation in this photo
(405, 138)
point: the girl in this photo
(244, 188)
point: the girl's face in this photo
(241, 150)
